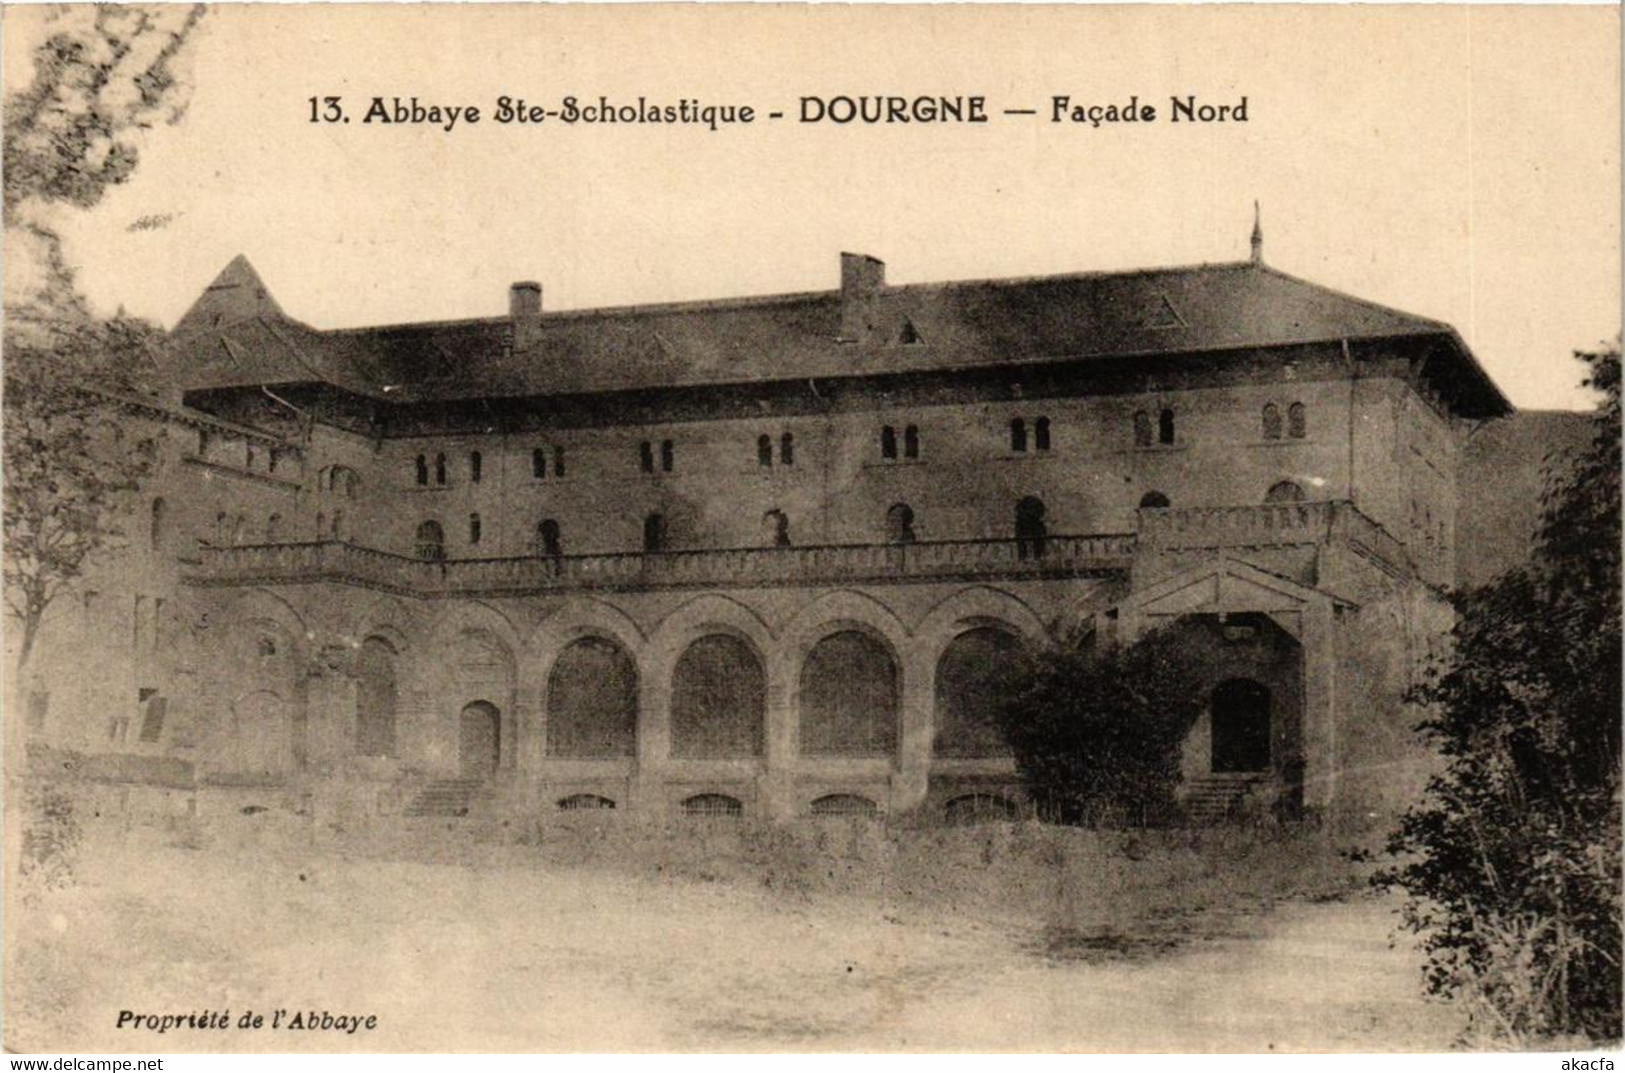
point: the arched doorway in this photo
(479, 740)
(1030, 528)
(718, 700)
(973, 686)
(849, 697)
(1241, 726)
(592, 701)
(375, 698)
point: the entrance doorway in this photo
(1241, 726)
(479, 740)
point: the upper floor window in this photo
(787, 450)
(548, 540)
(1041, 434)
(1272, 421)
(474, 529)
(900, 524)
(344, 481)
(1165, 426)
(764, 450)
(777, 525)
(423, 469)
(475, 464)
(558, 461)
(1297, 421)
(888, 442)
(1142, 429)
(646, 457)
(911, 442)
(538, 463)
(440, 469)
(668, 456)
(1018, 434)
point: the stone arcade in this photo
(756, 556)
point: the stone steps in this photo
(1212, 801)
(450, 798)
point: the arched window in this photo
(718, 700)
(1297, 421)
(973, 686)
(1154, 501)
(911, 442)
(1241, 726)
(158, 530)
(1165, 426)
(843, 805)
(423, 469)
(764, 450)
(654, 533)
(592, 701)
(1272, 421)
(548, 542)
(849, 697)
(440, 469)
(1031, 528)
(787, 449)
(474, 529)
(475, 464)
(888, 442)
(538, 463)
(1284, 492)
(1041, 434)
(900, 524)
(1142, 429)
(668, 455)
(713, 806)
(646, 457)
(431, 541)
(273, 529)
(375, 698)
(1018, 434)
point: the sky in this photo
(1458, 163)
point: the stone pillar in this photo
(777, 785)
(1320, 704)
(916, 715)
(654, 738)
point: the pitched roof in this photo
(956, 325)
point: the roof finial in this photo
(1258, 236)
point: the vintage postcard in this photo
(811, 528)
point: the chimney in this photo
(862, 279)
(525, 299)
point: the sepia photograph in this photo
(776, 529)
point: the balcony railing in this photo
(337, 561)
(1269, 525)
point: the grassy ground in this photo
(987, 938)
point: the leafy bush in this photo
(1097, 731)
(1513, 860)
(50, 839)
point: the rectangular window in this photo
(152, 718)
(538, 463)
(667, 455)
(558, 461)
(646, 457)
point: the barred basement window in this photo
(713, 805)
(1154, 501)
(911, 442)
(844, 805)
(888, 442)
(980, 808)
(584, 802)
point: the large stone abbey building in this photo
(763, 555)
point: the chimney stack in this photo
(525, 299)
(862, 279)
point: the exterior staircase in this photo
(450, 797)
(1215, 800)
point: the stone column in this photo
(654, 736)
(916, 717)
(777, 785)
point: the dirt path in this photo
(513, 956)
